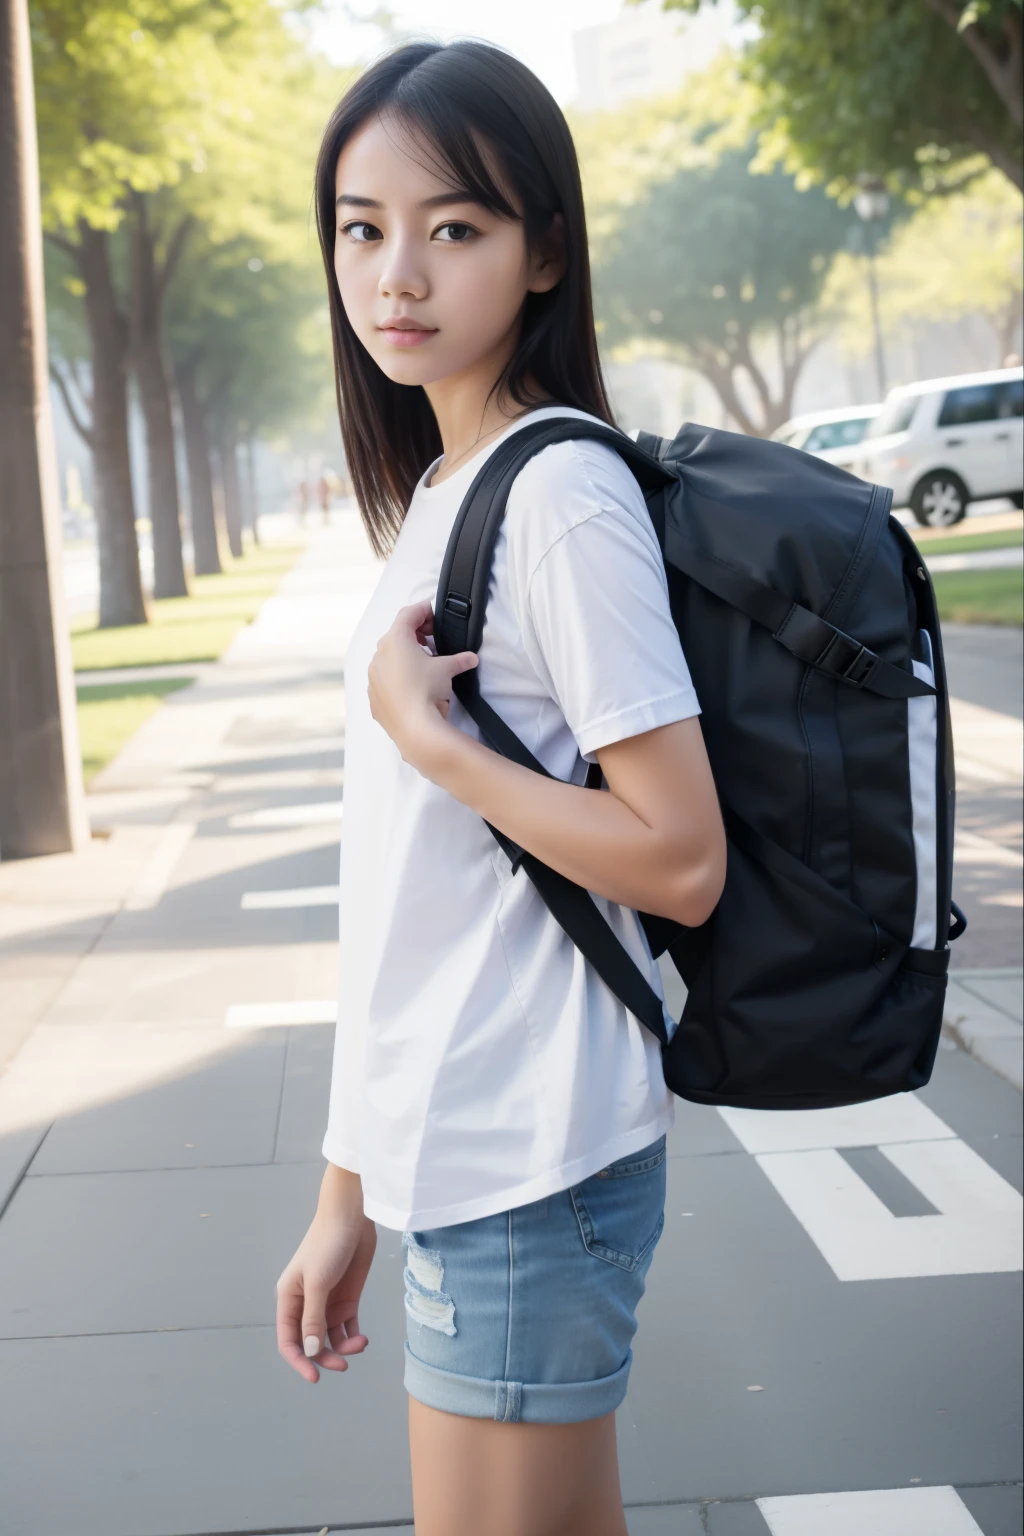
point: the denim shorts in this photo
(528, 1314)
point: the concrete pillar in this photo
(42, 802)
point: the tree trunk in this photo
(205, 552)
(120, 579)
(232, 488)
(252, 496)
(42, 805)
(155, 396)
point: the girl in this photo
(491, 1099)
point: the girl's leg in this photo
(479, 1477)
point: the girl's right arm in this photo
(318, 1292)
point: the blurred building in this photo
(646, 51)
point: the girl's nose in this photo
(401, 275)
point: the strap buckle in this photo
(845, 658)
(459, 606)
(861, 668)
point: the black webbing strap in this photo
(570, 905)
(811, 639)
(465, 573)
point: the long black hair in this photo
(447, 93)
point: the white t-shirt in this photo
(479, 1062)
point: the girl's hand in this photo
(409, 688)
(318, 1293)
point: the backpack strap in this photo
(811, 639)
(570, 905)
(459, 613)
(461, 603)
(466, 571)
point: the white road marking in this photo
(973, 848)
(158, 868)
(980, 1225)
(279, 779)
(978, 1231)
(270, 1015)
(302, 896)
(290, 815)
(882, 1512)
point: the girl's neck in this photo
(468, 419)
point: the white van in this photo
(944, 443)
(831, 435)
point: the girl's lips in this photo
(405, 338)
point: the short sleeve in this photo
(595, 615)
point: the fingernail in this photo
(311, 1344)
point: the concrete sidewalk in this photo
(165, 1028)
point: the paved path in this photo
(828, 1344)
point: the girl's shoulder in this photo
(565, 486)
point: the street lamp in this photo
(871, 201)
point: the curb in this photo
(979, 1019)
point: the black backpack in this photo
(809, 624)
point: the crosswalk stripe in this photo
(936, 1511)
(302, 896)
(289, 815)
(270, 1015)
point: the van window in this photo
(974, 402)
(836, 434)
(1011, 398)
(896, 415)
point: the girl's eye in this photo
(458, 233)
(363, 238)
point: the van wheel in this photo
(940, 499)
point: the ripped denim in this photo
(529, 1314)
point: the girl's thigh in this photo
(518, 1353)
(476, 1477)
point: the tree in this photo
(957, 257)
(41, 797)
(130, 91)
(248, 356)
(894, 87)
(717, 261)
(154, 257)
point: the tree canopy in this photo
(893, 87)
(715, 261)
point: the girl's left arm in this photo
(655, 842)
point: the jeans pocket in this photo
(621, 1209)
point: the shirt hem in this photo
(548, 1183)
(341, 1157)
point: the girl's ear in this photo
(547, 260)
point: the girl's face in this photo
(432, 283)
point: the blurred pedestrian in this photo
(324, 494)
(492, 1100)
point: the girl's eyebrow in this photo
(439, 200)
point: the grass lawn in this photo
(981, 597)
(109, 713)
(962, 544)
(195, 628)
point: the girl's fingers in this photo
(414, 616)
(465, 661)
(289, 1321)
